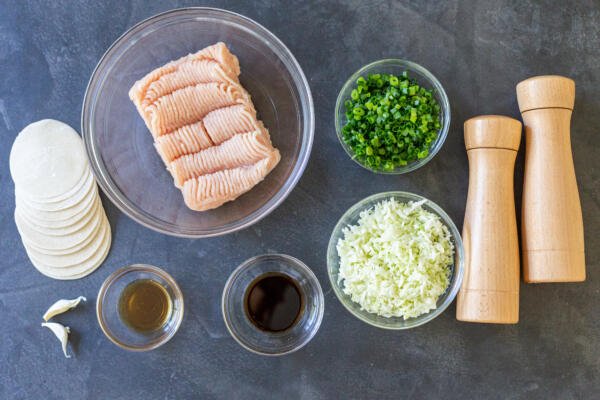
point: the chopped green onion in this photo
(391, 121)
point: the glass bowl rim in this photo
(288, 259)
(431, 79)
(458, 266)
(118, 274)
(116, 196)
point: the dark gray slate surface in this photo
(479, 51)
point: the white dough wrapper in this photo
(78, 195)
(47, 159)
(76, 190)
(59, 230)
(81, 270)
(61, 218)
(73, 259)
(70, 250)
(42, 241)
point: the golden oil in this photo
(145, 305)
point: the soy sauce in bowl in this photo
(273, 302)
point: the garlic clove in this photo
(62, 306)
(61, 332)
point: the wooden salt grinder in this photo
(490, 287)
(552, 226)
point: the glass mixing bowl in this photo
(120, 147)
(333, 262)
(396, 67)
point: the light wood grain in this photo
(492, 131)
(552, 226)
(490, 288)
(547, 91)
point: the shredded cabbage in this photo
(396, 261)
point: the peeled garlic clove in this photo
(61, 332)
(61, 306)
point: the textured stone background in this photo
(478, 49)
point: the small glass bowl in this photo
(333, 262)
(108, 313)
(396, 67)
(272, 343)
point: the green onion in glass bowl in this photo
(392, 116)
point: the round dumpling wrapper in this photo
(57, 230)
(47, 159)
(78, 194)
(73, 249)
(42, 241)
(74, 259)
(60, 218)
(82, 269)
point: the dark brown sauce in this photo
(273, 302)
(145, 305)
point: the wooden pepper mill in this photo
(490, 287)
(552, 226)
